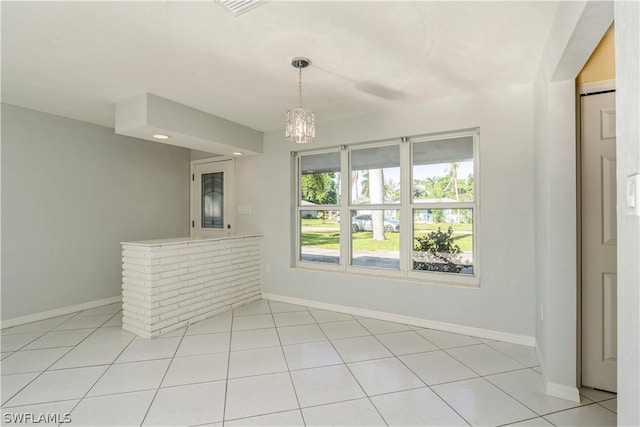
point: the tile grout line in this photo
(504, 391)
(510, 357)
(352, 374)
(293, 386)
(495, 373)
(281, 346)
(105, 371)
(47, 369)
(417, 376)
(43, 333)
(518, 400)
(578, 405)
(572, 409)
(606, 400)
(157, 390)
(226, 380)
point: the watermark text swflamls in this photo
(35, 418)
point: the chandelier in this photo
(301, 123)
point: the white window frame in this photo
(448, 278)
(299, 208)
(406, 207)
(349, 267)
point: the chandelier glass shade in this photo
(300, 122)
(301, 126)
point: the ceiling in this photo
(77, 59)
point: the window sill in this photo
(437, 279)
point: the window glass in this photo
(320, 179)
(320, 236)
(375, 175)
(443, 171)
(375, 238)
(443, 240)
(212, 203)
(437, 240)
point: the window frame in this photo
(448, 278)
(405, 207)
(299, 208)
(348, 256)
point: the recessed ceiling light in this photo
(237, 153)
(160, 136)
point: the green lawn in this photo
(363, 241)
(463, 240)
(319, 222)
(443, 226)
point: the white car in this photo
(365, 223)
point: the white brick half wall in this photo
(171, 284)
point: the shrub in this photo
(437, 251)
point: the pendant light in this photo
(301, 123)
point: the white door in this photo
(599, 246)
(212, 204)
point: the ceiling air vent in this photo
(238, 7)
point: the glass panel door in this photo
(212, 198)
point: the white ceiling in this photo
(77, 59)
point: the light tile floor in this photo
(271, 363)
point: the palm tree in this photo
(364, 192)
(453, 170)
(391, 190)
(376, 194)
(355, 177)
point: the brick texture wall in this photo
(166, 287)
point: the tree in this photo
(373, 190)
(319, 188)
(391, 190)
(434, 187)
(453, 179)
(446, 186)
(376, 194)
(355, 177)
(419, 189)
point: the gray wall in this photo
(505, 300)
(576, 31)
(71, 192)
(628, 154)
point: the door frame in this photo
(228, 198)
(584, 89)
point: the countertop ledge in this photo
(182, 240)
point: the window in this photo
(407, 208)
(319, 207)
(443, 202)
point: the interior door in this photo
(599, 246)
(212, 198)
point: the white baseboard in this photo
(554, 389)
(9, 323)
(414, 321)
(563, 392)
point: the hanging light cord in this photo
(300, 86)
